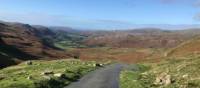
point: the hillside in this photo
(127, 55)
(21, 42)
(191, 47)
(45, 74)
(141, 38)
(170, 72)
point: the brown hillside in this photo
(142, 38)
(22, 42)
(127, 55)
(190, 47)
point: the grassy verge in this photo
(44, 74)
(173, 72)
(133, 78)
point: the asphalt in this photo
(107, 77)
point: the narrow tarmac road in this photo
(107, 77)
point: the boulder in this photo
(185, 76)
(48, 73)
(98, 65)
(168, 79)
(163, 79)
(29, 63)
(22, 72)
(29, 77)
(47, 77)
(59, 75)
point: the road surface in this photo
(107, 77)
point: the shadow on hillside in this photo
(9, 53)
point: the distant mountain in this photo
(166, 26)
(141, 38)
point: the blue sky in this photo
(101, 14)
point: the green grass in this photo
(17, 76)
(134, 78)
(184, 72)
(68, 40)
(68, 45)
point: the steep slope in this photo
(190, 47)
(23, 42)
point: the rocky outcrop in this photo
(163, 79)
